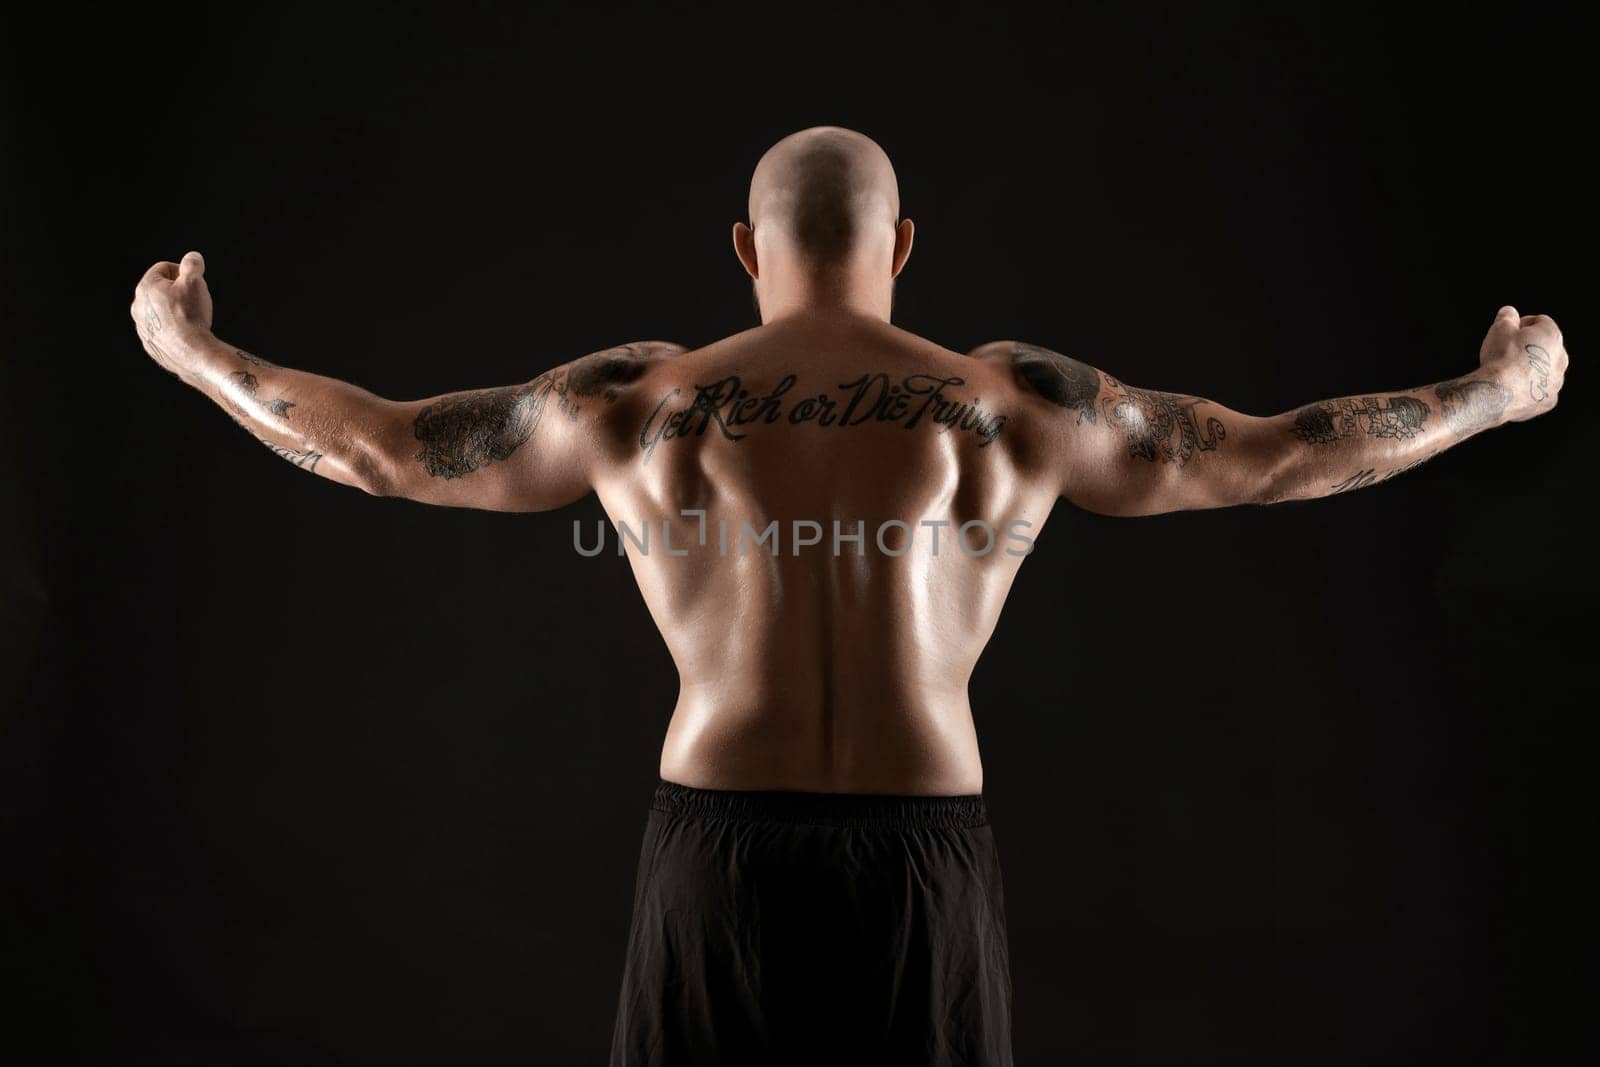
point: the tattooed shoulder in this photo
(608, 372)
(464, 432)
(1062, 380)
(1156, 426)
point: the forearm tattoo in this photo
(907, 401)
(1538, 371)
(246, 383)
(1362, 479)
(251, 358)
(1471, 405)
(1063, 381)
(1396, 417)
(304, 458)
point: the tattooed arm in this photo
(1120, 450)
(527, 447)
(516, 448)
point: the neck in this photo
(784, 293)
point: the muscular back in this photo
(839, 664)
(810, 659)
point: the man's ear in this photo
(744, 246)
(902, 247)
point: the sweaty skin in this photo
(816, 667)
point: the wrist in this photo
(1498, 372)
(1505, 374)
(1478, 401)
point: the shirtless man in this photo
(824, 514)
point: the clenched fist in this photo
(171, 311)
(1525, 354)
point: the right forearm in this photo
(1333, 446)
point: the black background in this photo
(296, 775)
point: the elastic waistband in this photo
(838, 809)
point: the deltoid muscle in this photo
(1063, 381)
(605, 373)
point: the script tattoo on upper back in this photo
(1397, 417)
(1063, 381)
(1472, 404)
(909, 401)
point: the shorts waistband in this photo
(838, 809)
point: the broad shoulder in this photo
(1046, 374)
(993, 351)
(610, 372)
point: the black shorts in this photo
(775, 927)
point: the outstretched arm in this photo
(526, 447)
(1121, 450)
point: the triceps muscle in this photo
(463, 432)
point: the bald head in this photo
(824, 192)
